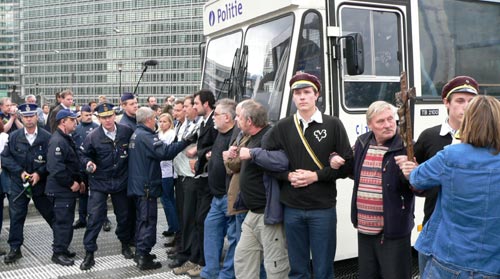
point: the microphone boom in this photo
(147, 63)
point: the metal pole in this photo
(120, 65)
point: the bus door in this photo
(382, 28)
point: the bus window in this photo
(309, 53)
(459, 38)
(380, 30)
(268, 55)
(220, 56)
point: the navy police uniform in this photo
(128, 120)
(131, 122)
(64, 169)
(146, 151)
(81, 132)
(20, 156)
(110, 177)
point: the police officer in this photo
(63, 184)
(146, 151)
(24, 160)
(85, 126)
(129, 106)
(105, 155)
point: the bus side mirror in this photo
(353, 53)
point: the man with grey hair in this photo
(218, 222)
(382, 201)
(31, 99)
(257, 239)
(146, 151)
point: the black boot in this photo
(126, 251)
(62, 259)
(146, 263)
(79, 224)
(106, 226)
(88, 262)
(149, 256)
(13, 256)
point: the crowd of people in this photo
(221, 171)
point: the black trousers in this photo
(380, 257)
(64, 213)
(188, 219)
(204, 199)
(147, 217)
(179, 205)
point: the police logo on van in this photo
(211, 18)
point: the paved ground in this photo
(110, 263)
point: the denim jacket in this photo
(464, 229)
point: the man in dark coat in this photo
(24, 160)
(105, 156)
(146, 151)
(63, 184)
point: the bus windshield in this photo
(221, 53)
(268, 55)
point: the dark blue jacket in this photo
(19, 156)
(398, 198)
(81, 132)
(63, 165)
(146, 151)
(131, 122)
(110, 157)
(273, 161)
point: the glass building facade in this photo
(9, 46)
(98, 47)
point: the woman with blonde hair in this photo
(166, 133)
(463, 231)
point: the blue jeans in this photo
(311, 233)
(2, 196)
(217, 225)
(437, 269)
(423, 259)
(168, 201)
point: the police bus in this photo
(358, 49)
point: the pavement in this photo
(37, 251)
